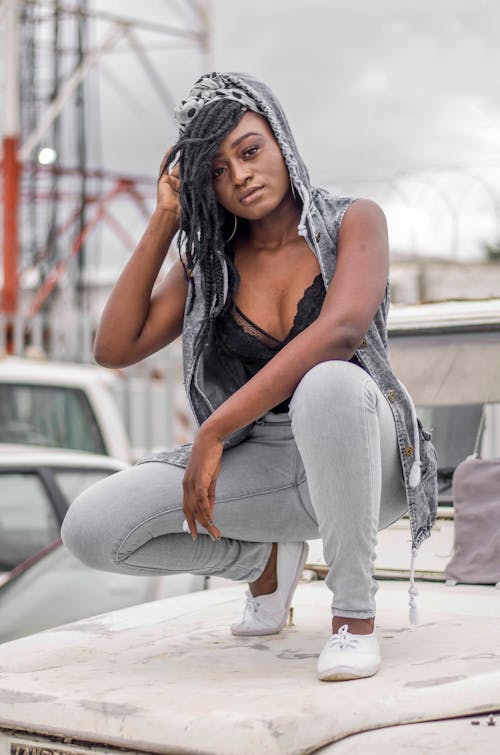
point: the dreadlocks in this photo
(204, 222)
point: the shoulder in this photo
(363, 217)
(340, 211)
(361, 208)
(363, 246)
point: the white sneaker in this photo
(349, 656)
(267, 614)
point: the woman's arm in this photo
(136, 321)
(352, 299)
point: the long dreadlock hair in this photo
(204, 222)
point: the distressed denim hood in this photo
(270, 107)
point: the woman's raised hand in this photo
(167, 194)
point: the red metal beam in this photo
(11, 176)
(12, 196)
(120, 231)
(48, 286)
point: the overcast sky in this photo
(370, 86)
(391, 99)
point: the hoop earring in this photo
(234, 229)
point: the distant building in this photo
(420, 279)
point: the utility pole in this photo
(11, 167)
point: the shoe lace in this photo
(252, 604)
(343, 639)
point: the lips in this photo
(250, 194)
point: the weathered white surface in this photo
(168, 676)
(467, 736)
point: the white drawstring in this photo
(225, 281)
(415, 474)
(413, 592)
(306, 201)
(413, 480)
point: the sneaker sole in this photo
(278, 629)
(344, 674)
(255, 632)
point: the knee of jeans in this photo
(86, 535)
(326, 382)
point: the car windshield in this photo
(27, 520)
(73, 482)
(53, 416)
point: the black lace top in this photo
(239, 337)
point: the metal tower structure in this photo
(52, 200)
(52, 42)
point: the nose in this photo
(241, 173)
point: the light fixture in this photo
(47, 156)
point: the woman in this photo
(281, 296)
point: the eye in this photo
(250, 151)
(217, 172)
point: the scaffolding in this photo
(53, 199)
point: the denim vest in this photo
(210, 378)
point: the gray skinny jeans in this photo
(329, 468)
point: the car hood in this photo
(171, 678)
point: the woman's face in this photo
(249, 174)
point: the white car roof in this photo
(171, 677)
(38, 371)
(445, 313)
(20, 455)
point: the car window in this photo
(50, 416)
(74, 482)
(455, 430)
(27, 519)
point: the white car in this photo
(169, 677)
(60, 405)
(41, 583)
(36, 488)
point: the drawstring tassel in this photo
(413, 592)
(414, 477)
(306, 201)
